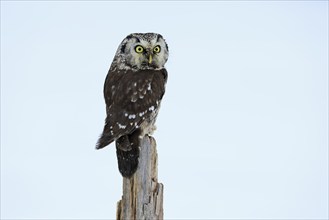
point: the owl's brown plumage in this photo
(133, 89)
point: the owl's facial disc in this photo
(144, 51)
(146, 55)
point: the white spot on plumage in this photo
(126, 114)
(132, 116)
(121, 126)
(149, 86)
(151, 108)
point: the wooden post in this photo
(142, 194)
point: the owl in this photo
(133, 90)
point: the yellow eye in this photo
(139, 49)
(157, 49)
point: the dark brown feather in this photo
(129, 96)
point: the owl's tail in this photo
(128, 153)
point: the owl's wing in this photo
(131, 98)
(110, 87)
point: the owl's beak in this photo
(150, 58)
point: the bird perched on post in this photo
(133, 89)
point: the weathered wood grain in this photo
(142, 194)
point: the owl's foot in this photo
(152, 129)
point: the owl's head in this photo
(141, 51)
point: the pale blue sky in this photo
(243, 129)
